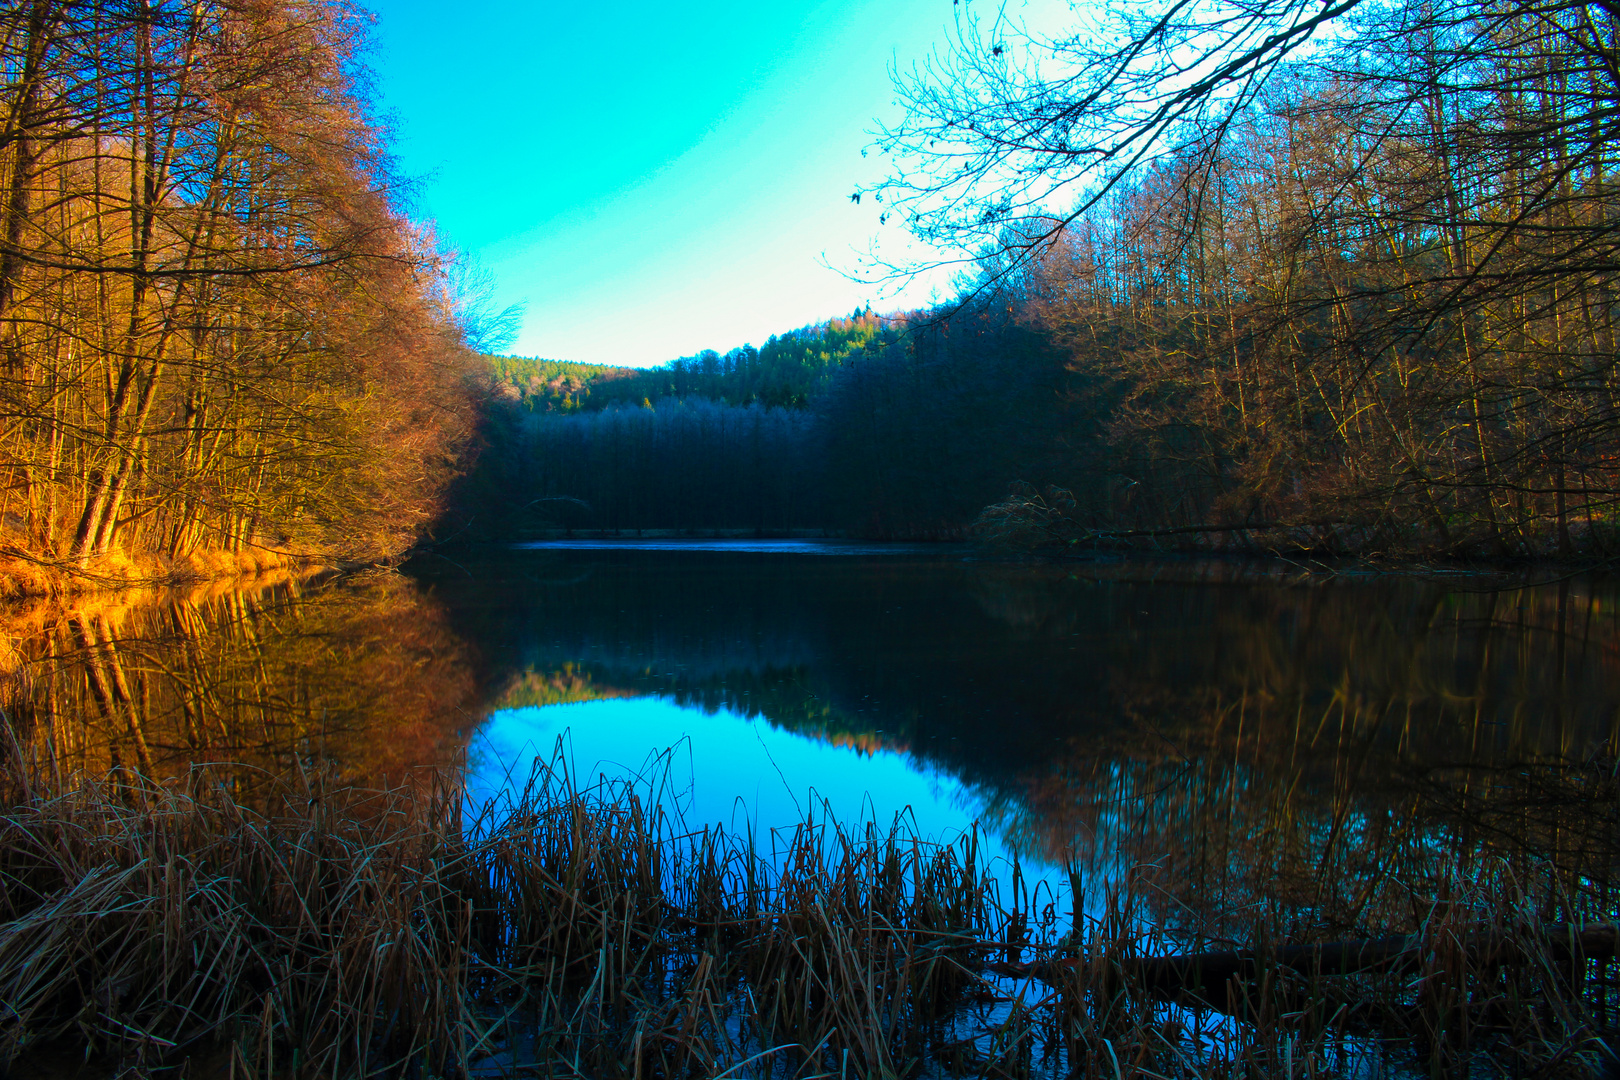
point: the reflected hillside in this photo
(568, 685)
(789, 699)
(893, 646)
(1237, 726)
(1332, 748)
(362, 673)
(989, 669)
(1245, 731)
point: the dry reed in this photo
(325, 931)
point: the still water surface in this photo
(1242, 728)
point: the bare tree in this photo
(1356, 263)
(215, 328)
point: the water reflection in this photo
(1246, 731)
(844, 548)
(1249, 735)
(746, 775)
(365, 675)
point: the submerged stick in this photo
(1561, 943)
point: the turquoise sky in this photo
(653, 179)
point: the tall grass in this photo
(330, 931)
(583, 932)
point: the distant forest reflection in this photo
(1253, 734)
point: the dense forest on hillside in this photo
(786, 373)
(219, 336)
(1359, 297)
(549, 385)
(897, 427)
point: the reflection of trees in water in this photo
(1333, 748)
(1542, 659)
(1270, 739)
(791, 698)
(848, 646)
(1339, 758)
(1345, 836)
(568, 684)
(1248, 737)
(363, 673)
(1250, 729)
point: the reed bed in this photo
(172, 929)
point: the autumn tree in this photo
(215, 328)
(1352, 263)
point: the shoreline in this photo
(25, 577)
(1294, 563)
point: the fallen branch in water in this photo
(1560, 943)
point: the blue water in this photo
(745, 547)
(746, 776)
(1130, 717)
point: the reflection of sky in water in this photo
(745, 547)
(726, 769)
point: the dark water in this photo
(1247, 730)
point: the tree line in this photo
(899, 426)
(1340, 278)
(786, 372)
(1278, 275)
(217, 328)
(1347, 270)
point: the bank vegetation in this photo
(222, 345)
(1347, 271)
(325, 930)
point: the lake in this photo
(1232, 732)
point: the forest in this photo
(896, 427)
(222, 342)
(1348, 292)
(1237, 283)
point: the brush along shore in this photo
(24, 575)
(319, 930)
